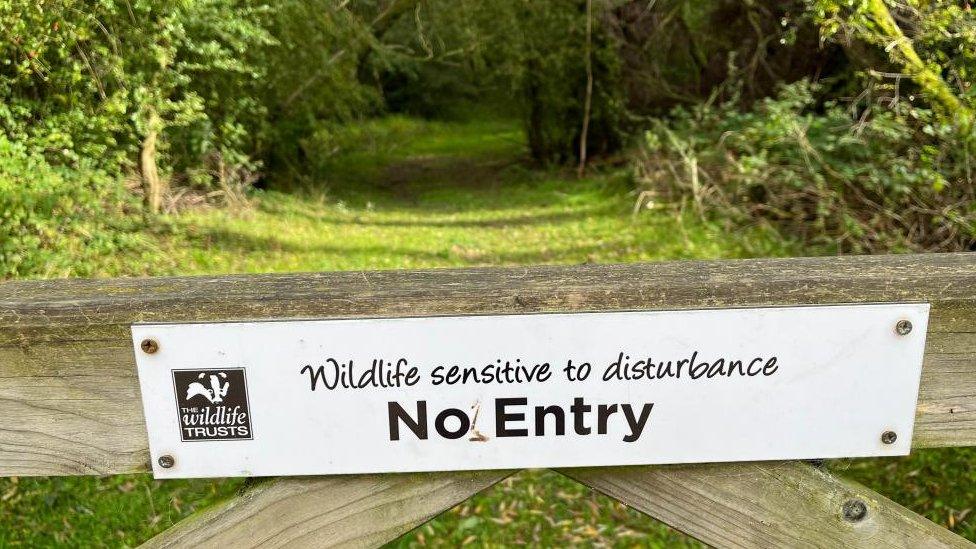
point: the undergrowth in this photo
(57, 221)
(850, 178)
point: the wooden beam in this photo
(360, 511)
(69, 397)
(771, 504)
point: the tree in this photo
(872, 21)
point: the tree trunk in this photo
(588, 99)
(152, 186)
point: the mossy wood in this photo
(766, 504)
(69, 397)
(760, 505)
(340, 511)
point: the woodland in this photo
(163, 137)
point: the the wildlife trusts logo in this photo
(217, 391)
(212, 404)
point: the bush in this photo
(79, 78)
(56, 221)
(851, 180)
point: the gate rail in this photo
(69, 395)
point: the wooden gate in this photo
(66, 364)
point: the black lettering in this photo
(453, 374)
(318, 374)
(638, 369)
(502, 417)
(436, 377)
(419, 427)
(636, 425)
(578, 409)
(540, 419)
(717, 368)
(603, 413)
(442, 430)
(681, 363)
(544, 373)
(613, 370)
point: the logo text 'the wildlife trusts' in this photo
(212, 404)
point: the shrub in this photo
(852, 180)
(56, 221)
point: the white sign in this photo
(540, 390)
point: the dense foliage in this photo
(877, 154)
(771, 127)
(526, 59)
(891, 179)
(199, 94)
(867, 147)
(55, 220)
(90, 80)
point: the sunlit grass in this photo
(434, 202)
(541, 508)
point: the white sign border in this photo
(900, 447)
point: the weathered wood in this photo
(352, 511)
(760, 505)
(68, 388)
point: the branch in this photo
(901, 50)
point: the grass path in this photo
(443, 195)
(412, 194)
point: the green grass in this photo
(543, 509)
(446, 195)
(407, 194)
(122, 510)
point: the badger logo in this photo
(214, 394)
(212, 404)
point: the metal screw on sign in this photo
(166, 461)
(904, 327)
(149, 346)
(854, 510)
(889, 437)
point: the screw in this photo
(149, 346)
(904, 327)
(889, 437)
(166, 461)
(854, 510)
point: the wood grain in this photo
(68, 387)
(343, 511)
(760, 505)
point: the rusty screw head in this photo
(149, 346)
(854, 510)
(889, 437)
(166, 461)
(904, 327)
